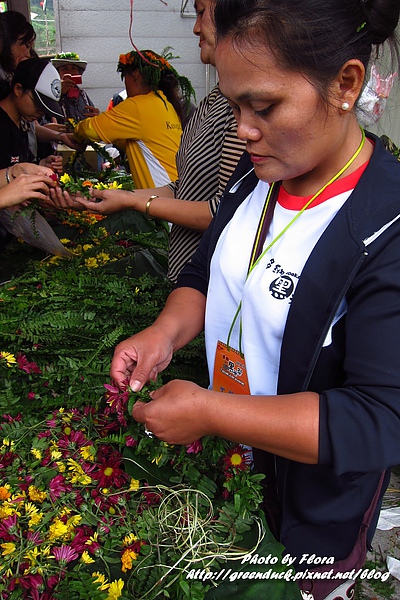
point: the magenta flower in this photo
(64, 554)
(25, 365)
(130, 441)
(58, 486)
(194, 447)
(8, 528)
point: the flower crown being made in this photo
(153, 67)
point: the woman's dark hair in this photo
(13, 26)
(159, 74)
(313, 37)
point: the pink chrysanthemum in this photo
(194, 447)
(64, 554)
(58, 486)
(25, 365)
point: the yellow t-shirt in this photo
(147, 128)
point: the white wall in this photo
(99, 33)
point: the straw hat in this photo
(69, 58)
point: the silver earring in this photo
(345, 106)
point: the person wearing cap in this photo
(75, 102)
(35, 91)
(148, 124)
(17, 43)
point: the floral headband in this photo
(153, 67)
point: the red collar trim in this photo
(340, 186)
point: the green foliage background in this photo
(68, 318)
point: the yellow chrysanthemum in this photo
(7, 444)
(36, 495)
(55, 455)
(93, 539)
(91, 263)
(103, 257)
(127, 559)
(6, 510)
(129, 539)
(87, 452)
(115, 589)
(86, 558)
(65, 240)
(78, 475)
(87, 247)
(32, 555)
(35, 520)
(65, 178)
(8, 548)
(74, 521)
(157, 459)
(134, 485)
(9, 358)
(114, 186)
(61, 467)
(58, 530)
(36, 453)
(101, 579)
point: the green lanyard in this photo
(262, 230)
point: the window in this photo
(42, 18)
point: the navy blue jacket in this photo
(357, 259)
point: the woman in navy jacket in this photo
(299, 274)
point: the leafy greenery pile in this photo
(91, 507)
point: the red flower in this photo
(236, 459)
(110, 473)
(25, 365)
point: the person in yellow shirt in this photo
(147, 126)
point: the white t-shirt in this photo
(267, 292)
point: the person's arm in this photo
(194, 215)
(123, 122)
(182, 412)
(12, 172)
(48, 135)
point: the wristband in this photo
(149, 201)
(8, 175)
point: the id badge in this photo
(230, 373)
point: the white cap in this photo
(48, 90)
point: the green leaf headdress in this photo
(153, 67)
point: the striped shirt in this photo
(207, 156)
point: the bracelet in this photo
(8, 175)
(149, 201)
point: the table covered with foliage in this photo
(90, 506)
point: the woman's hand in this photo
(68, 140)
(141, 358)
(177, 412)
(24, 188)
(91, 111)
(111, 201)
(63, 200)
(54, 162)
(28, 169)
